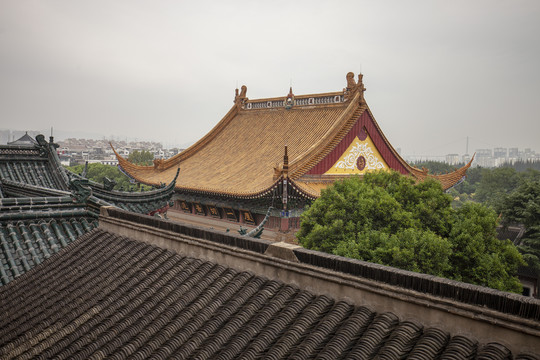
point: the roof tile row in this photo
(109, 296)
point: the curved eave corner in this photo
(448, 180)
(133, 170)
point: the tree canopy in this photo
(389, 219)
(523, 207)
(143, 157)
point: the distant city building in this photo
(484, 158)
(499, 153)
(513, 153)
(452, 159)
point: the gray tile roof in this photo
(35, 170)
(110, 296)
(31, 237)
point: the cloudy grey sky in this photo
(435, 71)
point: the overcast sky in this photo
(435, 71)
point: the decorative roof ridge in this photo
(99, 189)
(49, 214)
(303, 162)
(306, 96)
(36, 200)
(134, 197)
(48, 190)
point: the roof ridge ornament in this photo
(289, 100)
(361, 88)
(241, 99)
(353, 87)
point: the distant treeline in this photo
(521, 165)
(437, 167)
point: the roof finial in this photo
(241, 98)
(289, 100)
(361, 88)
(51, 139)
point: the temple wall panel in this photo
(364, 121)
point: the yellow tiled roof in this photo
(242, 156)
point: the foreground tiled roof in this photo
(34, 229)
(107, 296)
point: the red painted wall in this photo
(364, 122)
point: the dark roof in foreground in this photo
(105, 295)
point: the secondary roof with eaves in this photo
(328, 136)
(34, 170)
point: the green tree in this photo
(142, 157)
(478, 256)
(468, 187)
(495, 185)
(523, 207)
(387, 218)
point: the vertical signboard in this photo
(185, 206)
(199, 210)
(230, 214)
(248, 217)
(213, 211)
